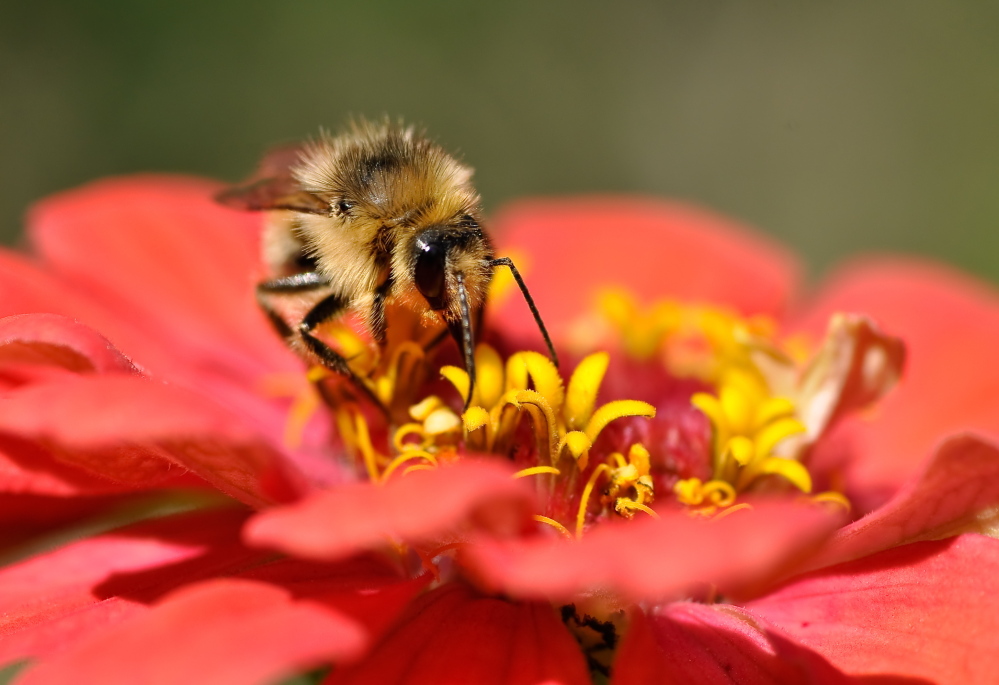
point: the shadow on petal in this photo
(453, 635)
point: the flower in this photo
(134, 364)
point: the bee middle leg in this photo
(327, 308)
(306, 282)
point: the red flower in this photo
(443, 575)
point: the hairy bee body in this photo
(375, 218)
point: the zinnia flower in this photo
(731, 489)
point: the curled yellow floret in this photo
(565, 421)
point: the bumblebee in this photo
(375, 217)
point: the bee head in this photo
(440, 255)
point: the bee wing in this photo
(274, 187)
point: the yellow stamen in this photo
(769, 436)
(833, 498)
(475, 418)
(579, 446)
(408, 430)
(408, 455)
(363, 444)
(537, 470)
(615, 410)
(542, 373)
(458, 378)
(488, 376)
(302, 410)
(424, 408)
(719, 493)
(554, 524)
(418, 467)
(478, 435)
(740, 448)
(711, 408)
(583, 386)
(695, 493)
(631, 504)
(772, 409)
(642, 331)
(619, 461)
(742, 506)
(404, 372)
(789, 469)
(585, 498)
(545, 428)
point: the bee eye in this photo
(430, 272)
(342, 208)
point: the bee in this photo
(377, 216)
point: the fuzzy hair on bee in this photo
(376, 216)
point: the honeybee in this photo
(375, 217)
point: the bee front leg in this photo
(378, 322)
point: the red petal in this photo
(950, 326)
(712, 645)
(654, 249)
(50, 600)
(215, 372)
(649, 558)
(417, 507)
(127, 428)
(453, 635)
(365, 588)
(220, 632)
(958, 491)
(58, 341)
(169, 258)
(925, 610)
(28, 289)
(25, 468)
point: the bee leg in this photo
(297, 283)
(378, 322)
(327, 308)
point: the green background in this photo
(838, 127)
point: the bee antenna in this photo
(467, 346)
(506, 261)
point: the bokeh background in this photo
(839, 127)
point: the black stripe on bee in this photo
(367, 167)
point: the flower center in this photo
(727, 409)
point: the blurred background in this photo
(837, 127)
